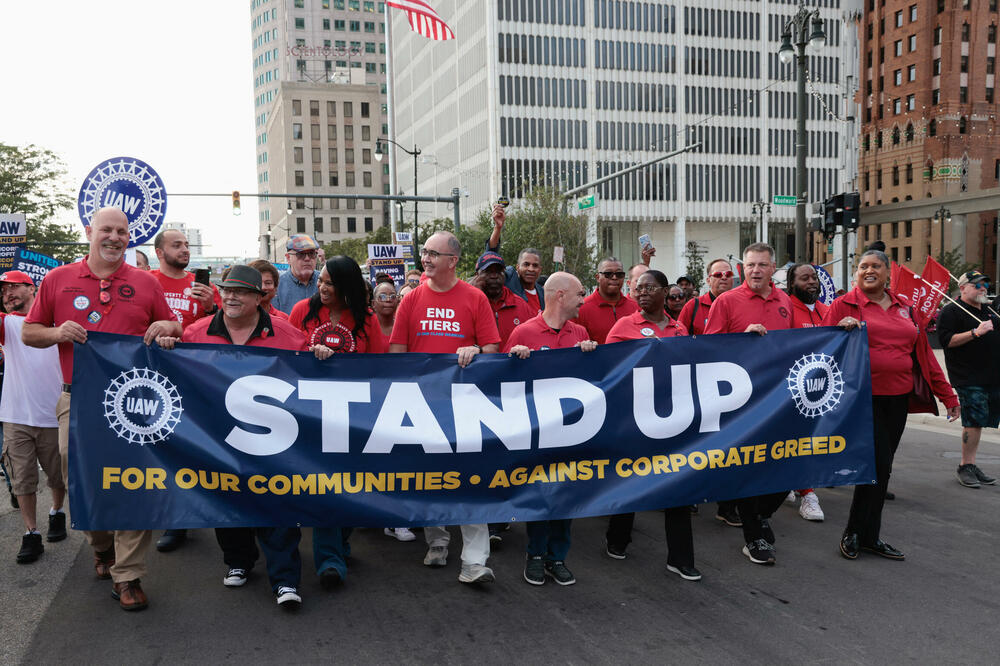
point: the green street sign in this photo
(587, 202)
(783, 200)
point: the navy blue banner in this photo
(215, 435)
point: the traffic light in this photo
(816, 220)
(852, 205)
(236, 203)
(834, 213)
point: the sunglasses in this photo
(676, 297)
(305, 255)
(647, 289)
(721, 274)
(613, 275)
(982, 285)
(105, 296)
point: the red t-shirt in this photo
(892, 335)
(340, 338)
(440, 322)
(535, 334)
(598, 315)
(736, 309)
(178, 294)
(510, 311)
(533, 302)
(803, 317)
(636, 326)
(695, 321)
(271, 332)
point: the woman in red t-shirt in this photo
(652, 321)
(893, 338)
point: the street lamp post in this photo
(942, 216)
(798, 29)
(759, 208)
(414, 153)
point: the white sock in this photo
(32, 532)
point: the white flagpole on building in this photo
(394, 217)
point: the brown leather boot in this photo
(129, 595)
(103, 562)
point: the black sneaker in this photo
(330, 578)
(57, 527)
(31, 548)
(616, 552)
(759, 552)
(534, 571)
(967, 477)
(559, 573)
(983, 479)
(730, 517)
(687, 573)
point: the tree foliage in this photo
(955, 263)
(33, 182)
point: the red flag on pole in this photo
(423, 19)
(894, 277)
(937, 275)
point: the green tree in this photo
(956, 265)
(33, 182)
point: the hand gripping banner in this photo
(216, 435)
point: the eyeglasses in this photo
(434, 254)
(613, 275)
(647, 289)
(310, 254)
(676, 297)
(721, 274)
(386, 297)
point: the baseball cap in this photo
(243, 277)
(971, 276)
(16, 277)
(684, 277)
(301, 243)
(488, 259)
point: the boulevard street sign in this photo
(587, 202)
(783, 200)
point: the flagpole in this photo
(988, 306)
(950, 299)
(395, 218)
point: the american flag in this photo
(423, 19)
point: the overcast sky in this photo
(170, 83)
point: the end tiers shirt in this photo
(439, 322)
(72, 292)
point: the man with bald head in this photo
(608, 304)
(101, 293)
(549, 540)
(446, 315)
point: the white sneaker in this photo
(288, 597)
(791, 497)
(400, 533)
(437, 556)
(235, 578)
(810, 509)
(476, 573)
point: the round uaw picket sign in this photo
(827, 289)
(132, 186)
(816, 384)
(338, 338)
(142, 406)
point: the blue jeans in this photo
(281, 552)
(331, 548)
(549, 539)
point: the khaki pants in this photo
(130, 546)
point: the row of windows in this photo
(821, 183)
(625, 96)
(331, 109)
(334, 204)
(354, 5)
(782, 105)
(633, 57)
(830, 4)
(655, 183)
(725, 140)
(820, 68)
(298, 153)
(265, 57)
(543, 133)
(722, 182)
(334, 179)
(636, 136)
(721, 101)
(635, 16)
(263, 18)
(895, 176)
(543, 91)
(551, 12)
(721, 23)
(331, 132)
(518, 177)
(351, 228)
(721, 62)
(535, 50)
(818, 144)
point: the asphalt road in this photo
(941, 605)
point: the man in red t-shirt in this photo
(445, 315)
(508, 310)
(188, 299)
(548, 540)
(694, 315)
(608, 304)
(101, 293)
(756, 306)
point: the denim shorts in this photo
(980, 406)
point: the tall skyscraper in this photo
(929, 123)
(319, 104)
(561, 92)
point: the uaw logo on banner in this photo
(274, 437)
(132, 186)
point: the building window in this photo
(297, 154)
(913, 43)
(296, 107)
(937, 32)
(965, 32)
(300, 4)
(898, 48)
(334, 182)
(897, 77)
(991, 32)
(963, 125)
(935, 96)
(963, 94)
(936, 67)
(913, 13)
(352, 225)
(334, 225)
(932, 127)
(369, 224)
(300, 225)
(349, 179)
(348, 110)
(964, 67)
(990, 64)
(895, 182)
(909, 179)
(366, 156)
(349, 156)
(300, 24)
(911, 73)
(989, 95)
(318, 225)
(897, 106)
(366, 133)
(911, 103)
(314, 132)
(300, 178)
(313, 107)
(365, 109)
(296, 130)
(316, 159)
(326, 24)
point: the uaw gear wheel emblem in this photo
(142, 406)
(338, 338)
(132, 186)
(816, 385)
